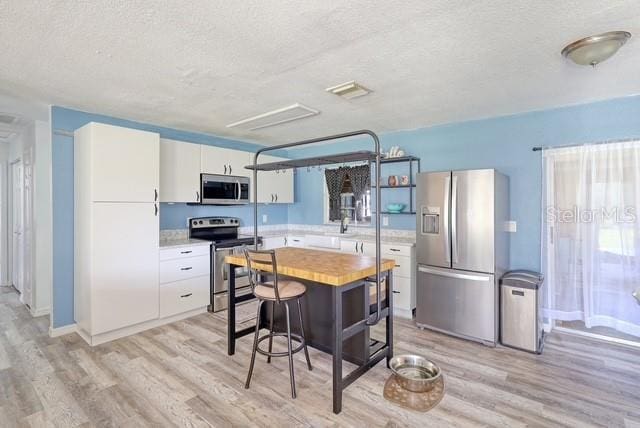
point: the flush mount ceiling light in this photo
(349, 90)
(275, 117)
(595, 49)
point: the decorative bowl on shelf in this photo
(395, 208)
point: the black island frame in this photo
(356, 293)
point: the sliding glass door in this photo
(591, 238)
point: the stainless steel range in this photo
(223, 234)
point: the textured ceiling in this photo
(202, 64)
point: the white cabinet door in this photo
(348, 246)
(273, 242)
(283, 184)
(266, 182)
(218, 160)
(179, 171)
(124, 258)
(125, 164)
(275, 186)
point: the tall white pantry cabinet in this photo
(116, 278)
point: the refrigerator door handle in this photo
(454, 218)
(467, 276)
(445, 219)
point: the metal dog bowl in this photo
(415, 373)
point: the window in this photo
(358, 212)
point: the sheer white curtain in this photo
(591, 235)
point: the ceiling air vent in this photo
(349, 90)
(276, 117)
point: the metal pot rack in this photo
(339, 158)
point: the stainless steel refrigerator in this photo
(462, 249)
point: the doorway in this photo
(591, 239)
(17, 227)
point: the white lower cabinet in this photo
(183, 268)
(271, 242)
(184, 295)
(404, 275)
(184, 279)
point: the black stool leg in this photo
(255, 346)
(293, 381)
(306, 351)
(273, 309)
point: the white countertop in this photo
(182, 242)
(398, 240)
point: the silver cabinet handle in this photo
(361, 245)
(285, 241)
(187, 295)
(393, 249)
(197, 196)
(186, 252)
(356, 247)
(229, 169)
(156, 209)
(186, 268)
(397, 265)
(454, 275)
(276, 197)
(155, 192)
(225, 169)
(396, 292)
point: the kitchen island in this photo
(337, 309)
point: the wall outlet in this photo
(264, 218)
(511, 226)
(385, 220)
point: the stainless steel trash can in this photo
(520, 320)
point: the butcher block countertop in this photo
(320, 266)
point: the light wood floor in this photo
(180, 375)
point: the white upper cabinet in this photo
(275, 186)
(179, 171)
(218, 160)
(123, 163)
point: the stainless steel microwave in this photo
(217, 189)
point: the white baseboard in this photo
(61, 331)
(39, 312)
(599, 337)
(128, 331)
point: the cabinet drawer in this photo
(403, 266)
(183, 296)
(178, 269)
(295, 241)
(402, 293)
(395, 250)
(183, 252)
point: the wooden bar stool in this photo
(262, 264)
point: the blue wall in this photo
(503, 143)
(171, 215)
